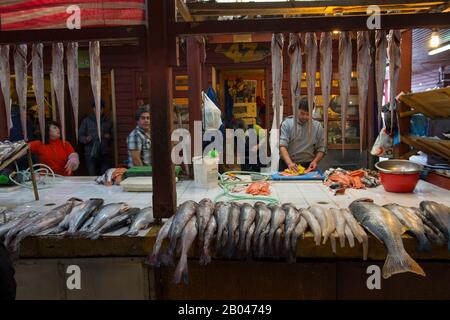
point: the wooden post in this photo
(33, 177)
(371, 122)
(161, 13)
(114, 118)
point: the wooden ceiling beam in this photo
(184, 10)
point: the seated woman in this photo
(58, 155)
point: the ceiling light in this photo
(435, 40)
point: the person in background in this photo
(58, 155)
(138, 141)
(97, 154)
(7, 281)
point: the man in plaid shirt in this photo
(138, 141)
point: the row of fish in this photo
(9, 149)
(89, 219)
(57, 79)
(235, 230)
(386, 46)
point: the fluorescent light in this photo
(440, 49)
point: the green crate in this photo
(145, 171)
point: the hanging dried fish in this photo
(311, 67)
(20, 69)
(73, 80)
(58, 82)
(37, 59)
(326, 73)
(96, 81)
(381, 44)
(345, 76)
(5, 83)
(295, 55)
(362, 69)
(394, 42)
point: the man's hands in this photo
(312, 166)
(292, 166)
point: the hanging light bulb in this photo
(336, 31)
(434, 40)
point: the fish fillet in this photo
(5, 83)
(20, 69)
(345, 76)
(311, 66)
(362, 69)
(96, 80)
(58, 82)
(326, 72)
(381, 44)
(73, 80)
(37, 59)
(295, 55)
(394, 67)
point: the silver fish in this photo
(436, 238)
(394, 43)
(322, 218)
(362, 69)
(299, 230)
(277, 241)
(313, 224)
(311, 67)
(246, 219)
(262, 241)
(116, 223)
(326, 74)
(4, 228)
(276, 221)
(106, 213)
(340, 225)
(73, 80)
(426, 221)
(5, 83)
(386, 228)
(248, 240)
(38, 83)
(141, 221)
(357, 231)
(154, 257)
(58, 82)
(412, 222)
(96, 81)
(292, 220)
(349, 235)
(277, 76)
(81, 214)
(221, 212)
(262, 220)
(381, 45)
(232, 227)
(20, 69)
(333, 238)
(345, 76)
(439, 215)
(205, 211)
(187, 238)
(184, 213)
(205, 256)
(295, 56)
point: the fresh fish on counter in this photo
(345, 76)
(295, 56)
(357, 231)
(362, 70)
(412, 222)
(205, 211)
(246, 219)
(96, 81)
(5, 83)
(340, 225)
(58, 82)
(313, 224)
(85, 227)
(323, 220)
(311, 67)
(37, 58)
(205, 256)
(248, 240)
(20, 70)
(73, 80)
(262, 220)
(262, 241)
(326, 74)
(299, 230)
(381, 45)
(436, 238)
(232, 227)
(155, 258)
(394, 42)
(386, 228)
(5, 227)
(81, 214)
(277, 242)
(187, 238)
(349, 235)
(141, 221)
(292, 220)
(116, 223)
(106, 213)
(278, 216)
(221, 212)
(439, 215)
(184, 213)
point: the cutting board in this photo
(313, 175)
(137, 184)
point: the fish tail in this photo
(342, 240)
(333, 244)
(399, 263)
(180, 271)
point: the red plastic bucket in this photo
(394, 182)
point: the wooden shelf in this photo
(351, 146)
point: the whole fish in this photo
(292, 220)
(299, 230)
(248, 240)
(357, 231)
(311, 66)
(116, 223)
(184, 213)
(232, 227)
(81, 214)
(340, 225)
(381, 45)
(323, 220)
(349, 235)
(394, 42)
(20, 69)
(439, 215)
(386, 228)
(37, 58)
(4, 228)
(205, 256)
(58, 82)
(277, 219)
(96, 81)
(295, 56)
(85, 227)
(154, 257)
(106, 213)
(246, 219)
(313, 224)
(24, 222)
(64, 224)
(187, 238)
(5, 83)
(326, 74)
(205, 211)
(362, 70)
(425, 220)
(412, 222)
(73, 80)
(345, 77)
(141, 221)
(221, 212)
(262, 220)
(277, 76)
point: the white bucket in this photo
(206, 171)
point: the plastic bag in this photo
(383, 146)
(211, 114)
